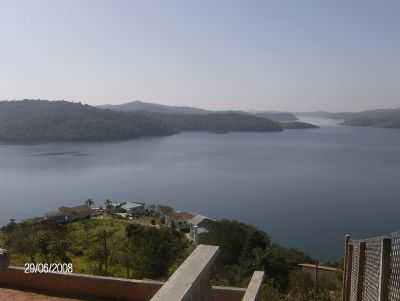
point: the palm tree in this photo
(89, 203)
(108, 204)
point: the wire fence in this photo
(372, 269)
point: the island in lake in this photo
(35, 121)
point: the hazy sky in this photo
(280, 55)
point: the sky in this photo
(259, 55)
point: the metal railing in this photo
(372, 269)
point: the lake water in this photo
(306, 188)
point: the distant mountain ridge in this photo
(33, 121)
(36, 121)
(139, 106)
(184, 118)
(217, 122)
(383, 118)
(276, 116)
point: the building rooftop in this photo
(196, 220)
(131, 205)
(181, 216)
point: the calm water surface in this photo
(306, 188)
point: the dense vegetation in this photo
(244, 249)
(217, 122)
(31, 121)
(125, 248)
(377, 118)
(35, 121)
(297, 125)
(99, 246)
(140, 106)
(277, 116)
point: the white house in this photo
(133, 208)
(199, 224)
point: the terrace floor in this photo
(17, 295)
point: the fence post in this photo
(361, 271)
(348, 259)
(385, 269)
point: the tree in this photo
(236, 240)
(108, 204)
(38, 241)
(89, 203)
(243, 249)
(23, 240)
(101, 249)
(153, 250)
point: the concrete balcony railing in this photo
(253, 292)
(190, 282)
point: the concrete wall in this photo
(79, 286)
(223, 293)
(4, 260)
(87, 286)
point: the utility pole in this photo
(316, 280)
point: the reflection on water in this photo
(75, 154)
(306, 188)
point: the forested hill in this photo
(383, 118)
(140, 106)
(31, 121)
(135, 106)
(217, 122)
(277, 116)
(389, 118)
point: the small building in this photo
(201, 221)
(179, 219)
(134, 208)
(122, 215)
(199, 224)
(97, 211)
(116, 204)
(113, 207)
